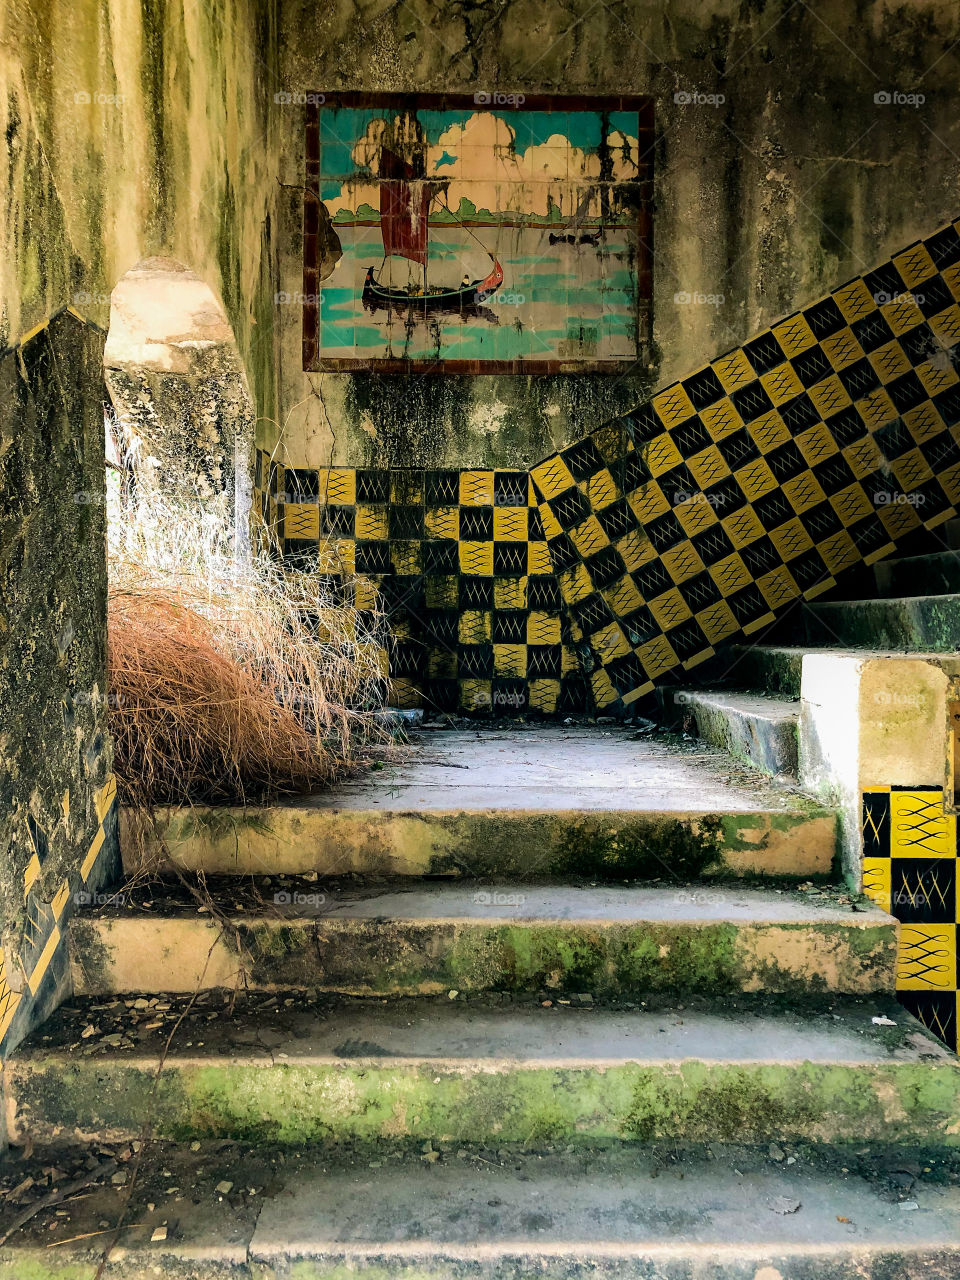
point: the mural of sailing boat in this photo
(404, 224)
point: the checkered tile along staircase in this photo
(692, 521)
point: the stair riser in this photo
(770, 745)
(366, 1101)
(409, 957)
(918, 575)
(921, 624)
(764, 668)
(515, 844)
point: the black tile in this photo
(894, 439)
(937, 1010)
(509, 626)
(570, 508)
(700, 591)
(859, 379)
(924, 891)
(748, 605)
(726, 497)
(563, 554)
(919, 343)
(301, 484)
(442, 627)
(871, 331)
(933, 296)
(704, 388)
(591, 614)
(786, 461)
(408, 658)
(834, 474)
(373, 486)
(738, 449)
(406, 521)
(665, 532)
(443, 695)
(812, 366)
(441, 556)
(510, 489)
(583, 459)
(773, 509)
(884, 283)
(677, 484)
(760, 557)
(691, 436)
(751, 402)
(824, 318)
(544, 661)
(875, 824)
(688, 638)
(944, 248)
(337, 521)
(543, 592)
(475, 661)
(906, 392)
(476, 524)
(652, 579)
(643, 424)
(808, 569)
(947, 404)
(606, 567)
(799, 414)
(847, 426)
(440, 488)
(821, 521)
(617, 519)
(712, 545)
(640, 626)
(764, 353)
(304, 554)
(941, 452)
(630, 473)
(509, 559)
(868, 535)
(535, 525)
(476, 592)
(626, 673)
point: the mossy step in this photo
(479, 937)
(549, 801)
(761, 668)
(756, 730)
(495, 1213)
(842, 1069)
(928, 575)
(914, 623)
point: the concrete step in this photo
(915, 623)
(299, 1070)
(725, 1212)
(764, 668)
(484, 937)
(538, 802)
(927, 575)
(757, 730)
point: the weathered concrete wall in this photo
(130, 128)
(797, 181)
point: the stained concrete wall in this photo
(128, 128)
(797, 181)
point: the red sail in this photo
(404, 209)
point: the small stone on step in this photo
(775, 1152)
(159, 1233)
(224, 1188)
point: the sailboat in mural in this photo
(404, 225)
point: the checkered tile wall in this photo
(910, 869)
(692, 521)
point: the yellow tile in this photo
(473, 626)
(903, 314)
(696, 514)
(610, 642)
(648, 503)
(662, 455)
(842, 349)
(898, 518)
(476, 695)
(911, 469)
(604, 694)
(781, 384)
(755, 479)
(600, 490)
(338, 486)
(669, 609)
(510, 660)
(510, 593)
(640, 691)
(718, 621)
(829, 396)
(936, 376)
(730, 574)
(743, 526)
(778, 586)
(946, 326)
(734, 370)
(476, 558)
(552, 477)
(839, 552)
(816, 444)
(31, 872)
(476, 488)
(372, 524)
(803, 492)
(721, 419)
(575, 583)
(919, 826)
(365, 594)
(851, 504)
(538, 559)
(439, 522)
(636, 549)
(889, 361)
(794, 335)
(673, 405)
(441, 591)
(510, 524)
(769, 431)
(708, 466)
(543, 628)
(544, 695)
(407, 558)
(854, 300)
(682, 562)
(915, 265)
(552, 528)
(657, 656)
(588, 537)
(951, 278)
(301, 520)
(863, 457)
(623, 596)
(927, 957)
(43, 961)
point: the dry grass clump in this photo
(231, 679)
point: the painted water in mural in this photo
(477, 235)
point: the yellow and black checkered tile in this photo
(760, 478)
(910, 869)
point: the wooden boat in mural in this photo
(404, 214)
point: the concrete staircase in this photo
(495, 1061)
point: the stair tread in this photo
(687, 1205)
(462, 1036)
(490, 903)
(744, 702)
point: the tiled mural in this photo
(910, 869)
(692, 521)
(476, 232)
